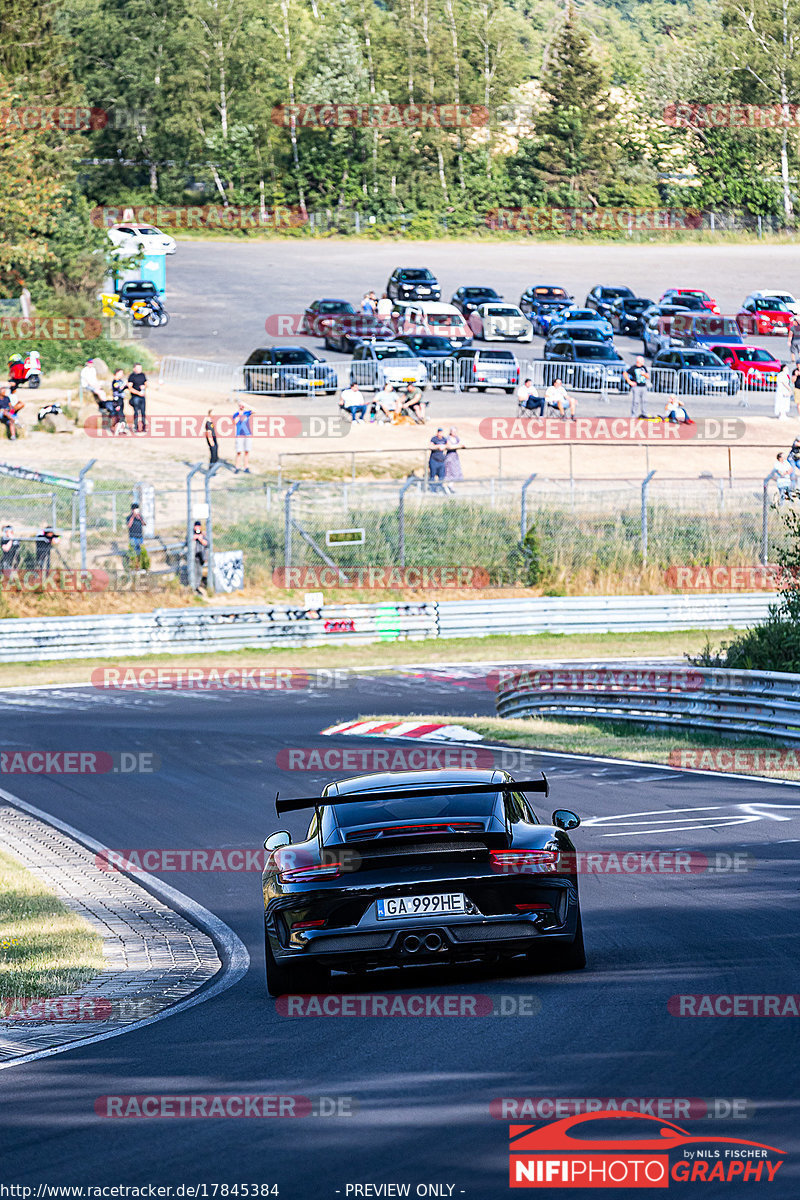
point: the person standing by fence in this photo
(436, 462)
(210, 433)
(137, 388)
(135, 533)
(637, 378)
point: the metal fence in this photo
(748, 702)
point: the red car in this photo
(674, 295)
(559, 1136)
(764, 315)
(758, 368)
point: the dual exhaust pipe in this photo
(412, 944)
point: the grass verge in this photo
(381, 655)
(45, 948)
(608, 739)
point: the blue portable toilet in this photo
(153, 268)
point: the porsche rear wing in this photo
(292, 804)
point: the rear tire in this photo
(296, 979)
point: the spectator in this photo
(793, 457)
(243, 430)
(675, 412)
(527, 399)
(436, 461)
(383, 402)
(783, 475)
(783, 394)
(9, 549)
(135, 531)
(44, 543)
(17, 371)
(200, 551)
(367, 307)
(211, 439)
(353, 401)
(793, 337)
(137, 387)
(637, 378)
(384, 308)
(452, 463)
(795, 377)
(8, 412)
(559, 398)
(413, 404)
(91, 384)
(116, 405)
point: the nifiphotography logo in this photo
(643, 1152)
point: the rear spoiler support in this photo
(294, 804)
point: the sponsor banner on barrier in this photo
(262, 425)
(732, 1005)
(399, 1004)
(597, 679)
(682, 115)
(78, 762)
(591, 220)
(609, 429)
(380, 578)
(209, 216)
(380, 116)
(668, 1108)
(211, 679)
(212, 1106)
(762, 761)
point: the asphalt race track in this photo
(422, 1086)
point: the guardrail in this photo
(201, 371)
(753, 702)
(181, 630)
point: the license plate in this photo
(442, 904)
(408, 379)
(317, 382)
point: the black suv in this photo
(627, 314)
(413, 283)
(467, 299)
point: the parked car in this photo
(602, 297)
(413, 283)
(700, 329)
(544, 298)
(465, 299)
(481, 369)
(433, 318)
(420, 867)
(576, 333)
(313, 318)
(584, 316)
(684, 295)
(786, 298)
(426, 345)
(500, 323)
(693, 372)
(131, 239)
(758, 368)
(657, 332)
(377, 363)
(627, 314)
(284, 370)
(763, 315)
(343, 331)
(586, 366)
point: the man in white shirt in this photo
(558, 397)
(90, 382)
(528, 400)
(384, 308)
(353, 400)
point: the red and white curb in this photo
(436, 731)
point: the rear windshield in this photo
(415, 273)
(478, 291)
(335, 306)
(603, 351)
(287, 357)
(634, 304)
(393, 352)
(502, 312)
(423, 808)
(700, 360)
(430, 343)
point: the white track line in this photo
(232, 951)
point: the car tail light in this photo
(300, 925)
(285, 862)
(529, 908)
(524, 862)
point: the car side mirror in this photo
(564, 819)
(276, 840)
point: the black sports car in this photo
(420, 867)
